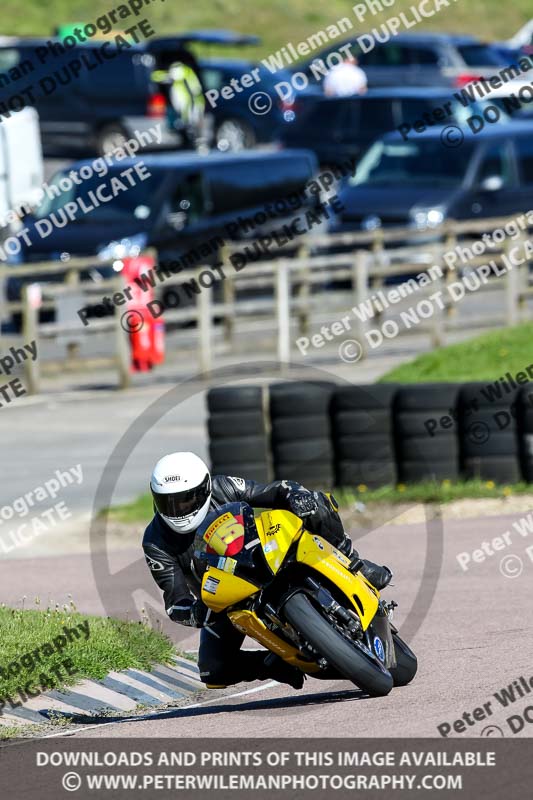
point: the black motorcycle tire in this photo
(406, 662)
(349, 659)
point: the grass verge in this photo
(38, 643)
(483, 358)
(430, 492)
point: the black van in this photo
(421, 182)
(186, 209)
(92, 96)
(337, 129)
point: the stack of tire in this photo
(490, 448)
(301, 433)
(525, 426)
(238, 432)
(362, 435)
(426, 432)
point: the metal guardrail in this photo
(32, 329)
(290, 279)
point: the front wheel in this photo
(349, 658)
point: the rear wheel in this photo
(407, 664)
(346, 656)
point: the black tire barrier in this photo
(524, 415)
(301, 433)
(500, 469)
(235, 448)
(312, 476)
(369, 473)
(255, 471)
(238, 432)
(425, 431)
(235, 398)
(421, 472)
(488, 432)
(361, 419)
(300, 399)
(324, 436)
(239, 423)
(293, 428)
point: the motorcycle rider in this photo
(184, 492)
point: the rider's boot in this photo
(278, 670)
(380, 577)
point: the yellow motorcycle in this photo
(292, 592)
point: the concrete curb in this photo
(118, 692)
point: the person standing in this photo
(346, 79)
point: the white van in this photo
(21, 164)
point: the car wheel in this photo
(110, 138)
(233, 135)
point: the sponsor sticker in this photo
(211, 585)
(216, 524)
(379, 649)
(227, 565)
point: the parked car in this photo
(423, 59)
(236, 126)
(185, 209)
(109, 98)
(341, 128)
(420, 183)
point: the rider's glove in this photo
(188, 612)
(303, 504)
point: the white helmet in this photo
(181, 488)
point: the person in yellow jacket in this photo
(186, 96)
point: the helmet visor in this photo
(182, 504)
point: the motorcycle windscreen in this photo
(277, 531)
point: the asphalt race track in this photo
(471, 639)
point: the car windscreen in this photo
(391, 163)
(480, 55)
(113, 197)
(452, 110)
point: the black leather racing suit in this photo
(169, 555)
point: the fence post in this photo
(304, 290)
(360, 285)
(437, 329)
(450, 243)
(512, 293)
(204, 329)
(228, 294)
(283, 311)
(123, 353)
(523, 278)
(72, 280)
(3, 300)
(30, 319)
